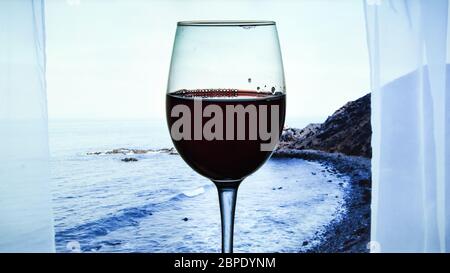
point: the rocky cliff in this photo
(347, 131)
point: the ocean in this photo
(158, 204)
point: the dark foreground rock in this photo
(347, 131)
(351, 233)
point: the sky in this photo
(110, 59)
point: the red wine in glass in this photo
(222, 159)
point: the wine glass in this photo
(226, 103)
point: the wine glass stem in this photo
(227, 199)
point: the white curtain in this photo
(26, 223)
(408, 44)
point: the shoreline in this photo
(351, 233)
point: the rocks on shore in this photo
(347, 131)
(342, 142)
(126, 151)
(351, 233)
(129, 159)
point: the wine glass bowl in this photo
(226, 103)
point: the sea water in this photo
(158, 204)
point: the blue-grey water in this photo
(105, 205)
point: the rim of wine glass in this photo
(226, 23)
